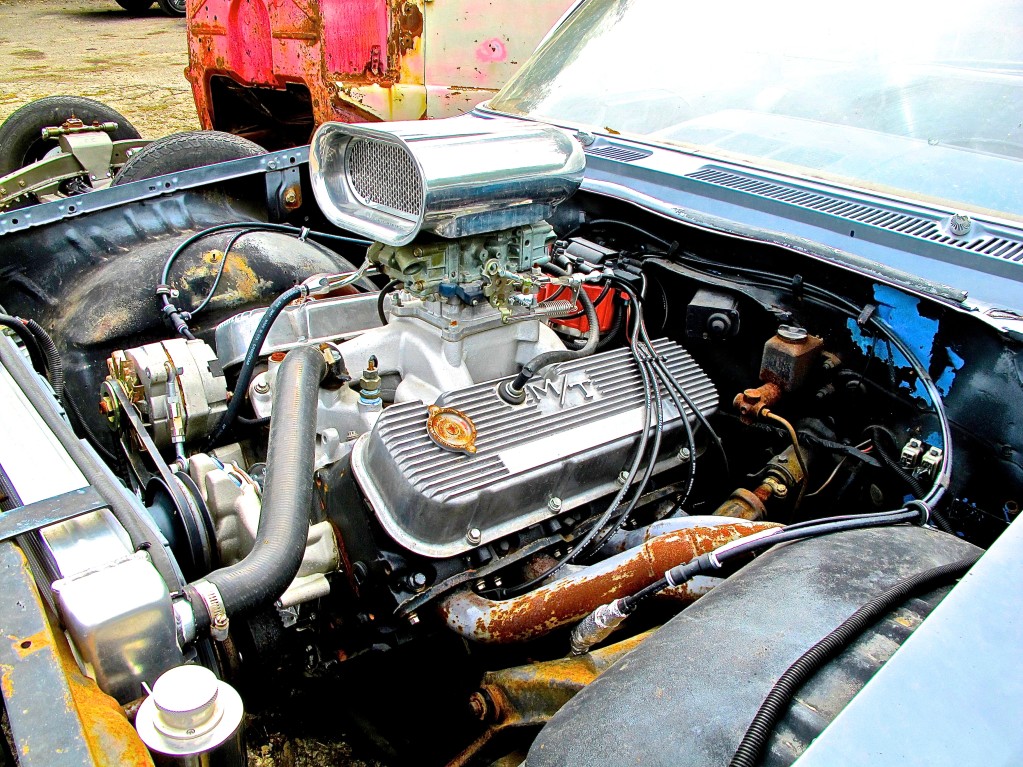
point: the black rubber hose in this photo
(780, 697)
(914, 484)
(71, 406)
(20, 329)
(651, 413)
(54, 364)
(142, 536)
(251, 358)
(542, 360)
(616, 326)
(179, 318)
(604, 292)
(816, 528)
(266, 571)
(384, 291)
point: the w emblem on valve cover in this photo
(562, 391)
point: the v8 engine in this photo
(443, 420)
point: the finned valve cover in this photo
(569, 440)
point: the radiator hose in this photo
(267, 571)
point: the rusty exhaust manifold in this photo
(570, 598)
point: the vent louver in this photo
(914, 226)
(616, 152)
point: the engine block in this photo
(564, 447)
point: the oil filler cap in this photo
(451, 429)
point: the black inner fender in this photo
(686, 695)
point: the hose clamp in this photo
(210, 595)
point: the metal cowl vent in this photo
(454, 178)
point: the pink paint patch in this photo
(492, 50)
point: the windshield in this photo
(921, 98)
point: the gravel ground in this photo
(94, 48)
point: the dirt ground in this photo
(95, 48)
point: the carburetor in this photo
(491, 267)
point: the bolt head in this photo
(474, 536)
(684, 455)
(413, 619)
(554, 504)
(623, 477)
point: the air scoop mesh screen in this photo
(385, 175)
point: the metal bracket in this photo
(283, 192)
(60, 508)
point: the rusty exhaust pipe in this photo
(568, 599)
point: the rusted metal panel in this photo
(41, 683)
(355, 37)
(364, 59)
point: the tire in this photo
(183, 151)
(172, 7)
(135, 6)
(20, 142)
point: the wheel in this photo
(135, 6)
(172, 7)
(181, 151)
(21, 143)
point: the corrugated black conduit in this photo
(753, 743)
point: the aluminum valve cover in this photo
(569, 440)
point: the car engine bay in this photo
(437, 420)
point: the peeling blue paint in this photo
(944, 381)
(901, 312)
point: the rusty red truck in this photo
(272, 70)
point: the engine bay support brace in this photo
(60, 508)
